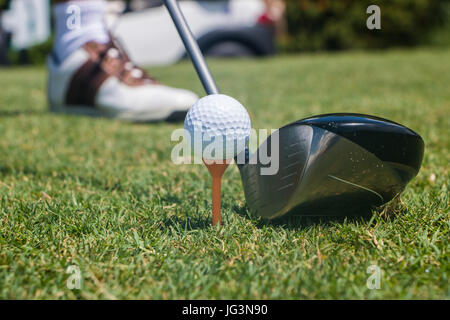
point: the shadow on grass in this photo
(185, 224)
(301, 222)
(16, 113)
(7, 170)
(64, 174)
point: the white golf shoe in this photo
(100, 80)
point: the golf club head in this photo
(332, 164)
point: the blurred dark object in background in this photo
(5, 37)
(25, 32)
(223, 28)
(338, 25)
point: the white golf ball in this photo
(218, 126)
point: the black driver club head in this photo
(327, 165)
(331, 165)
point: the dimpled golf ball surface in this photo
(217, 118)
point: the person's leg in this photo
(76, 23)
(89, 73)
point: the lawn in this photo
(104, 196)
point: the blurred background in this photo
(235, 28)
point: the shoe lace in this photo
(126, 67)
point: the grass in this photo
(103, 195)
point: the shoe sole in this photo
(171, 116)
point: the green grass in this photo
(105, 196)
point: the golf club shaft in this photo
(191, 46)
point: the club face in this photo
(333, 164)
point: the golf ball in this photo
(218, 127)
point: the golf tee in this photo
(216, 170)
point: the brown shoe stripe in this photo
(105, 60)
(85, 84)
